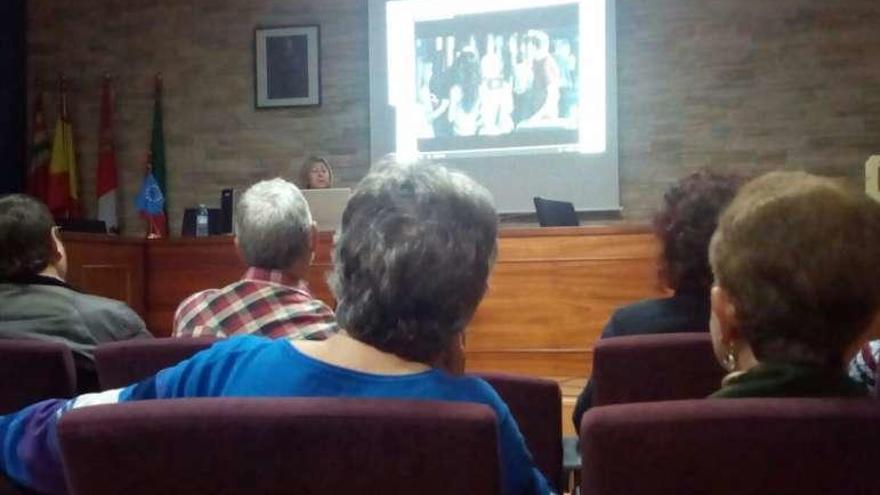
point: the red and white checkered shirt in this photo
(263, 302)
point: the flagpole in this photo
(62, 89)
(107, 183)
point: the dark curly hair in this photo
(684, 226)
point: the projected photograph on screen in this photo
(488, 76)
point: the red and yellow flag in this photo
(62, 194)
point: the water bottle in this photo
(202, 222)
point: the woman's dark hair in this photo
(468, 75)
(25, 236)
(684, 226)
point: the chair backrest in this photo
(552, 213)
(7, 487)
(34, 370)
(536, 404)
(281, 446)
(645, 368)
(732, 447)
(126, 362)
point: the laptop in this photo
(327, 206)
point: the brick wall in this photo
(744, 86)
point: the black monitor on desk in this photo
(552, 213)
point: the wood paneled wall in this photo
(550, 294)
(108, 266)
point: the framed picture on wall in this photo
(288, 66)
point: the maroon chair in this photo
(7, 487)
(732, 447)
(126, 362)
(536, 404)
(281, 446)
(34, 370)
(644, 368)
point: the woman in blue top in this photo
(411, 263)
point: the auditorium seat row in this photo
(531, 400)
(291, 445)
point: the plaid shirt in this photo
(263, 302)
(863, 367)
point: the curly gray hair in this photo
(412, 258)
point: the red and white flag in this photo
(107, 185)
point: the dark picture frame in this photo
(288, 66)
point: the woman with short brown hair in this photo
(796, 293)
(315, 173)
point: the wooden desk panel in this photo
(177, 268)
(550, 294)
(107, 266)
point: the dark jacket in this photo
(776, 379)
(686, 311)
(44, 308)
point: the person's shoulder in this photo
(241, 344)
(194, 305)
(91, 302)
(234, 349)
(641, 308)
(659, 315)
(475, 389)
(197, 298)
(94, 309)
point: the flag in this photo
(150, 202)
(157, 142)
(38, 166)
(107, 182)
(62, 193)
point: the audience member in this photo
(401, 223)
(275, 236)
(315, 173)
(36, 301)
(683, 227)
(796, 292)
